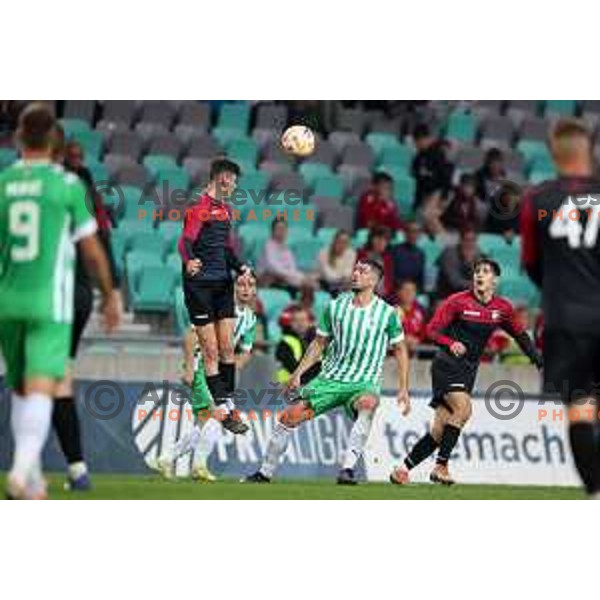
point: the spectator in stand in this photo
(503, 212)
(377, 248)
(376, 206)
(456, 265)
(413, 315)
(306, 302)
(408, 260)
(293, 345)
(277, 264)
(465, 209)
(432, 172)
(336, 263)
(491, 174)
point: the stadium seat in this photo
(234, 116)
(72, 126)
(534, 152)
(138, 260)
(461, 126)
(154, 291)
(159, 112)
(534, 129)
(325, 153)
(341, 139)
(97, 169)
(397, 156)
(380, 141)
(331, 186)
(314, 171)
(243, 150)
(170, 232)
(359, 155)
(299, 235)
(563, 108)
(520, 290)
(497, 131)
(195, 114)
(227, 135)
(7, 157)
(274, 302)
(166, 145)
(120, 111)
(351, 120)
(146, 241)
(326, 235)
(541, 174)
(360, 238)
(271, 116)
(386, 125)
(158, 162)
(80, 109)
(135, 175)
(520, 109)
(322, 299)
(126, 143)
(254, 236)
(176, 177)
(180, 312)
(431, 248)
(91, 141)
(203, 146)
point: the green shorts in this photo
(201, 398)
(324, 395)
(34, 349)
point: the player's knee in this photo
(366, 403)
(226, 353)
(210, 354)
(294, 415)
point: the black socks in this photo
(65, 421)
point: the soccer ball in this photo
(298, 140)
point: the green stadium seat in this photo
(7, 157)
(254, 236)
(274, 302)
(154, 291)
(381, 141)
(564, 108)
(306, 253)
(170, 232)
(322, 299)
(314, 171)
(177, 178)
(538, 175)
(138, 260)
(519, 289)
(331, 186)
(234, 115)
(326, 235)
(533, 151)
(490, 242)
(360, 238)
(174, 263)
(399, 156)
(118, 242)
(146, 240)
(226, 135)
(98, 170)
(404, 193)
(461, 126)
(243, 150)
(257, 181)
(91, 141)
(307, 215)
(156, 163)
(299, 235)
(431, 248)
(73, 126)
(180, 312)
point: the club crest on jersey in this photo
(495, 314)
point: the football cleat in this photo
(441, 475)
(200, 473)
(236, 426)
(257, 477)
(400, 476)
(346, 477)
(166, 467)
(83, 483)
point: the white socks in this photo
(275, 448)
(357, 439)
(30, 424)
(188, 443)
(200, 442)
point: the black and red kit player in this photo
(208, 258)
(461, 327)
(560, 221)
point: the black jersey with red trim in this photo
(560, 221)
(463, 318)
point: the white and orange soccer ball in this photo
(298, 140)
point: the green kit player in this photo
(201, 440)
(356, 331)
(43, 214)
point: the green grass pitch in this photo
(124, 487)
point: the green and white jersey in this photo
(244, 331)
(42, 214)
(359, 338)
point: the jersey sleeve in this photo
(394, 328)
(509, 323)
(247, 341)
(84, 223)
(324, 328)
(444, 315)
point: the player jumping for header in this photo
(356, 330)
(208, 259)
(461, 327)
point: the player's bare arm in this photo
(401, 355)
(95, 259)
(311, 357)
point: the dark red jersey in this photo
(207, 235)
(463, 318)
(560, 222)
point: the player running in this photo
(461, 327)
(42, 215)
(208, 258)
(560, 252)
(200, 442)
(356, 330)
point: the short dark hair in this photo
(276, 222)
(36, 127)
(374, 264)
(421, 131)
(381, 177)
(223, 165)
(467, 179)
(490, 262)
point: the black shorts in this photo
(84, 302)
(209, 301)
(450, 374)
(571, 365)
